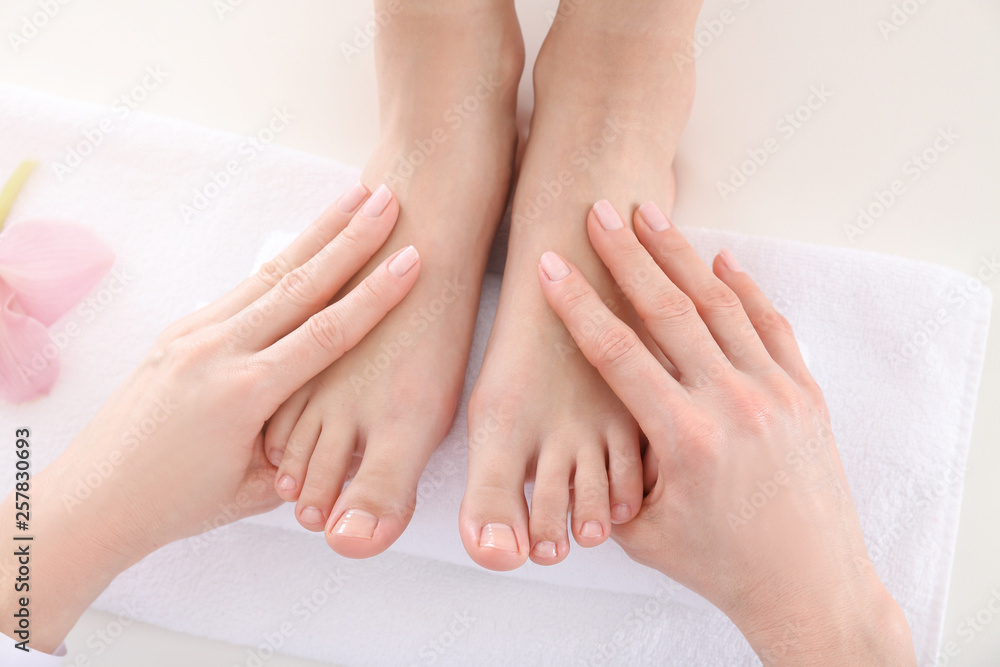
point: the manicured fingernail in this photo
(311, 515)
(356, 523)
(730, 261)
(621, 512)
(286, 483)
(591, 529)
(376, 204)
(554, 267)
(607, 215)
(403, 262)
(498, 536)
(654, 217)
(350, 199)
(274, 456)
(544, 550)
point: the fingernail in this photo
(498, 536)
(403, 262)
(376, 204)
(607, 215)
(356, 523)
(621, 512)
(554, 267)
(286, 483)
(350, 199)
(274, 456)
(654, 217)
(311, 515)
(544, 550)
(592, 529)
(730, 261)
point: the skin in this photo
(732, 411)
(209, 384)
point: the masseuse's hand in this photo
(178, 449)
(749, 505)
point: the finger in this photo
(306, 289)
(668, 313)
(641, 382)
(314, 238)
(326, 336)
(717, 304)
(774, 330)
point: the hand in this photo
(178, 447)
(749, 505)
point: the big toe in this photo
(494, 515)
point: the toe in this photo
(591, 510)
(298, 450)
(281, 424)
(494, 515)
(550, 507)
(624, 473)
(376, 506)
(324, 477)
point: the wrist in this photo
(843, 625)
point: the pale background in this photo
(941, 69)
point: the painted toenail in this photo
(350, 199)
(607, 215)
(356, 523)
(592, 529)
(379, 200)
(311, 515)
(554, 267)
(621, 512)
(654, 217)
(545, 550)
(274, 456)
(286, 483)
(498, 536)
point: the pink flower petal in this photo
(25, 371)
(51, 265)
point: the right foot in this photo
(448, 74)
(610, 105)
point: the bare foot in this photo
(448, 74)
(610, 104)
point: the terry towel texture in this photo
(897, 346)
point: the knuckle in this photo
(272, 271)
(299, 286)
(612, 344)
(773, 322)
(719, 297)
(327, 330)
(670, 305)
(703, 440)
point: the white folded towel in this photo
(897, 346)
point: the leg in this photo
(448, 73)
(610, 104)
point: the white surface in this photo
(890, 97)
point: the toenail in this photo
(545, 550)
(286, 483)
(356, 523)
(592, 529)
(621, 512)
(311, 515)
(274, 456)
(379, 200)
(498, 536)
(554, 267)
(350, 199)
(607, 215)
